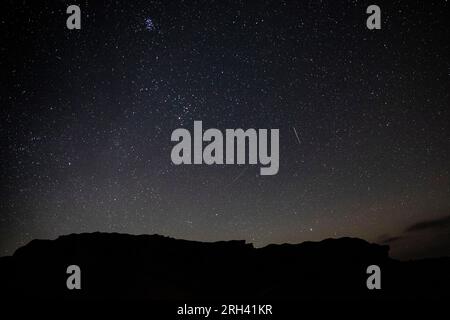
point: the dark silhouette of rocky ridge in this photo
(162, 268)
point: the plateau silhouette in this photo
(154, 267)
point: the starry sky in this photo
(87, 115)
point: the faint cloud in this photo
(387, 239)
(434, 224)
(442, 223)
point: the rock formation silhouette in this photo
(155, 267)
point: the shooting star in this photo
(236, 178)
(296, 135)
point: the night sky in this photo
(87, 116)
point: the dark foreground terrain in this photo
(156, 267)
